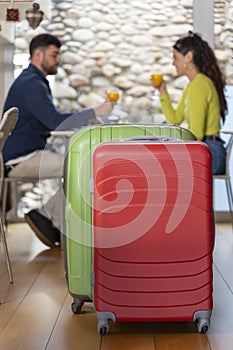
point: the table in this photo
(62, 133)
(230, 132)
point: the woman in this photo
(203, 103)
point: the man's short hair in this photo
(43, 40)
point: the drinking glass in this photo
(113, 94)
(157, 79)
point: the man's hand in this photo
(104, 108)
(94, 121)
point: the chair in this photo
(59, 139)
(7, 124)
(227, 177)
(13, 182)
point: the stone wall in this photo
(120, 43)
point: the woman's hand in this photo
(162, 88)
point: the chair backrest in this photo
(229, 149)
(7, 124)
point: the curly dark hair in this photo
(205, 60)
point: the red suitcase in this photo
(153, 232)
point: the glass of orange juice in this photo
(113, 94)
(157, 79)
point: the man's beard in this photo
(50, 70)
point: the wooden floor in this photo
(35, 312)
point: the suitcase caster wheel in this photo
(204, 330)
(76, 307)
(203, 325)
(103, 328)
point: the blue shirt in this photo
(38, 115)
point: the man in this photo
(38, 115)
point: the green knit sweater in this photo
(199, 106)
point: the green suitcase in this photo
(78, 191)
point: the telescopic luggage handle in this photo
(151, 138)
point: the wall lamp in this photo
(34, 15)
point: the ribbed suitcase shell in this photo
(153, 232)
(78, 211)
